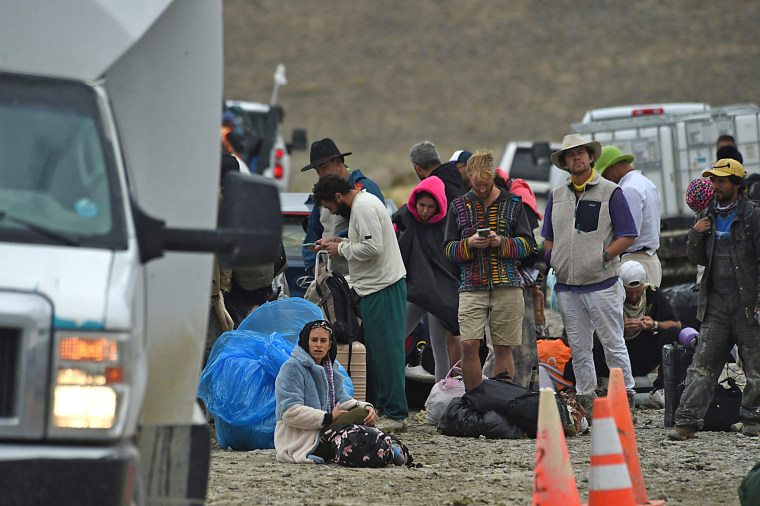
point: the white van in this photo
(672, 150)
(106, 237)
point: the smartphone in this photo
(484, 232)
(309, 245)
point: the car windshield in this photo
(292, 236)
(57, 180)
(524, 167)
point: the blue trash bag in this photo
(237, 384)
(285, 316)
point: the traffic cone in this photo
(618, 399)
(608, 481)
(553, 478)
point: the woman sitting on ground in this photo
(311, 398)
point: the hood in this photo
(76, 280)
(520, 188)
(434, 186)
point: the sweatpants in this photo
(384, 318)
(600, 311)
(415, 314)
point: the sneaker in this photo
(751, 429)
(587, 403)
(657, 399)
(682, 432)
(389, 425)
(398, 456)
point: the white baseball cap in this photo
(633, 274)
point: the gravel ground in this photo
(704, 470)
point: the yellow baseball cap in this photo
(726, 167)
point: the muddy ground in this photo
(704, 470)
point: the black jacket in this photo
(452, 180)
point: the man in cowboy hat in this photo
(587, 225)
(726, 240)
(326, 158)
(646, 207)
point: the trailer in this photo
(672, 149)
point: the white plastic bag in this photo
(442, 393)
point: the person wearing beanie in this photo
(646, 208)
(725, 239)
(310, 397)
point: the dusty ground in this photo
(705, 470)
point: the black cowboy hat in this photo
(321, 152)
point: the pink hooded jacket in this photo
(435, 187)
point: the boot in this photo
(587, 403)
(682, 432)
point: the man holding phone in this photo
(487, 232)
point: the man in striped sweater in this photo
(487, 232)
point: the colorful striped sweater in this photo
(483, 269)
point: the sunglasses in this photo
(322, 324)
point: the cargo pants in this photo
(725, 324)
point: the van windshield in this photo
(58, 180)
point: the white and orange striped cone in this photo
(621, 412)
(608, 480)
(553, 478)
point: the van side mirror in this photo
(299, 140)
(250, 226)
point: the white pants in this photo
(600, 311)
(414, 315)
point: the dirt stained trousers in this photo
(725, 324)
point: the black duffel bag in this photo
(462, 420)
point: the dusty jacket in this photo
(484, 269)
(745, 254)
(301, 392)
(582, 229)
(431, 278)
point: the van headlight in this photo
(90, 384)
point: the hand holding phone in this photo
(310, 245)
(484, 232)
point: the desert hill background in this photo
(380, 76)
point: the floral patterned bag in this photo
(364, 446)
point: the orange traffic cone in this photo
(553, 478)
(618, 399)
(608, 481)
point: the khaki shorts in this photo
(506, 308)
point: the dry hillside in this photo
(379, 76)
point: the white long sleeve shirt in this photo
(646, 207)
(371, 249)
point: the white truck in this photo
(263, 145)
(103, 307)
(673, 144)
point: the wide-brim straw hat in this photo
(573, 141)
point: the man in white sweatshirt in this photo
(378, 276)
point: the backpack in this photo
(364, 446)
